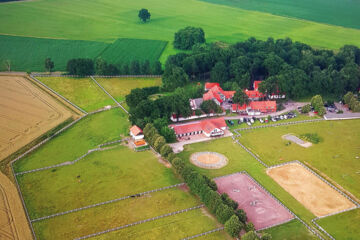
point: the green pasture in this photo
(82, 91)
(120, 87)
(340, 147)
(221, 235)
(342, 226)
(240, 160)
(101, 176)
(127, 50)
(106, 21)
(175, 227)
(334, 12)
(293, 230)
(29, 54)
(113, 215)
(86, 134)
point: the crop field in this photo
(120, 87)
(82, 91)
(29, 54)
(334, 12)
(87, 134)
(126, 50)
(339, 147)
(111, 20)
(343, 225)
(27, 112)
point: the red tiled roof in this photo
(209, 85)
(135, 130)
(229, 94)
(210, 95)
(254, 94)
(256, 85)
(206, 125)
(239, 107)
(263, 106)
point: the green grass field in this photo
(120, 87)
(342, 226)
(174, 227)
(293, 230)
(82, 91)
(126, 50)
(104, 175)
(26, 53)
(106, 21)
(240, 160)
(77, 140)
(340, 147)
(115, 214)
(334, 12)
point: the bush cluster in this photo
(352, 101)
(224, 208)
(311, 137)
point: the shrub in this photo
(223, 213)
(198, 112)
(153, 138)
(170, 157)
(210, 183)
(306, 108)
(251, 235)
(311, 137)
(210, 106)
(228, 201)
(249, 227)
(241, 214)
(347, 97)
(159, 143)
(266, 236)
(179, 164)
(233, 226)
(165, 150)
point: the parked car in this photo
(266, 120)
(248, 123)
(281, 117)
(230, 122)
(252, 120)
(273, 119)
(261, 120)
(285, 117)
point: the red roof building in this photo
(254, 94)
(217, 94)
(239, 108)
(210, 128)
(209, 85)
(136, 133)
(256, 85)
(263, 106)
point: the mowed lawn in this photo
(175, 227)
(343, 225)
(120, 87)
(293, 230)
(110, 20)
(240, 160)
(81, 91)
(117, 214)
(337, 155)
(101, 176)
(86, 134)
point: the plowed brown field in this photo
(26, 112)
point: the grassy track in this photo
(340, 147)
(27, 53)
(103, 175)
(343, 226)
(76, 141)
(126, 50)
(336, 12)
(120, 87)
(175, 227)
(293, 230)
(107, 20)
(239, 160)
(114, 215)
(81, 91)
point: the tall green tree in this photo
(49, 64)
(174, 77)
(144, 15)
(186, 38)
(219, 73)
(240, 98)
(233, 226)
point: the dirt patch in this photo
(26, 112)
(164, 162)
(297, 140)
(13, 222)
(209, 160)
(309, 190)
(261, 209)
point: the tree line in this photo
(290, 67)
(222, 206)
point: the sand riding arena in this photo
(208, 160)
(308, 189)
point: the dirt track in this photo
(13, 222)
(26, 112)
(309, 190)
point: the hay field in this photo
(309, 190)
(26, 112)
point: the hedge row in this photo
(223, 207)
